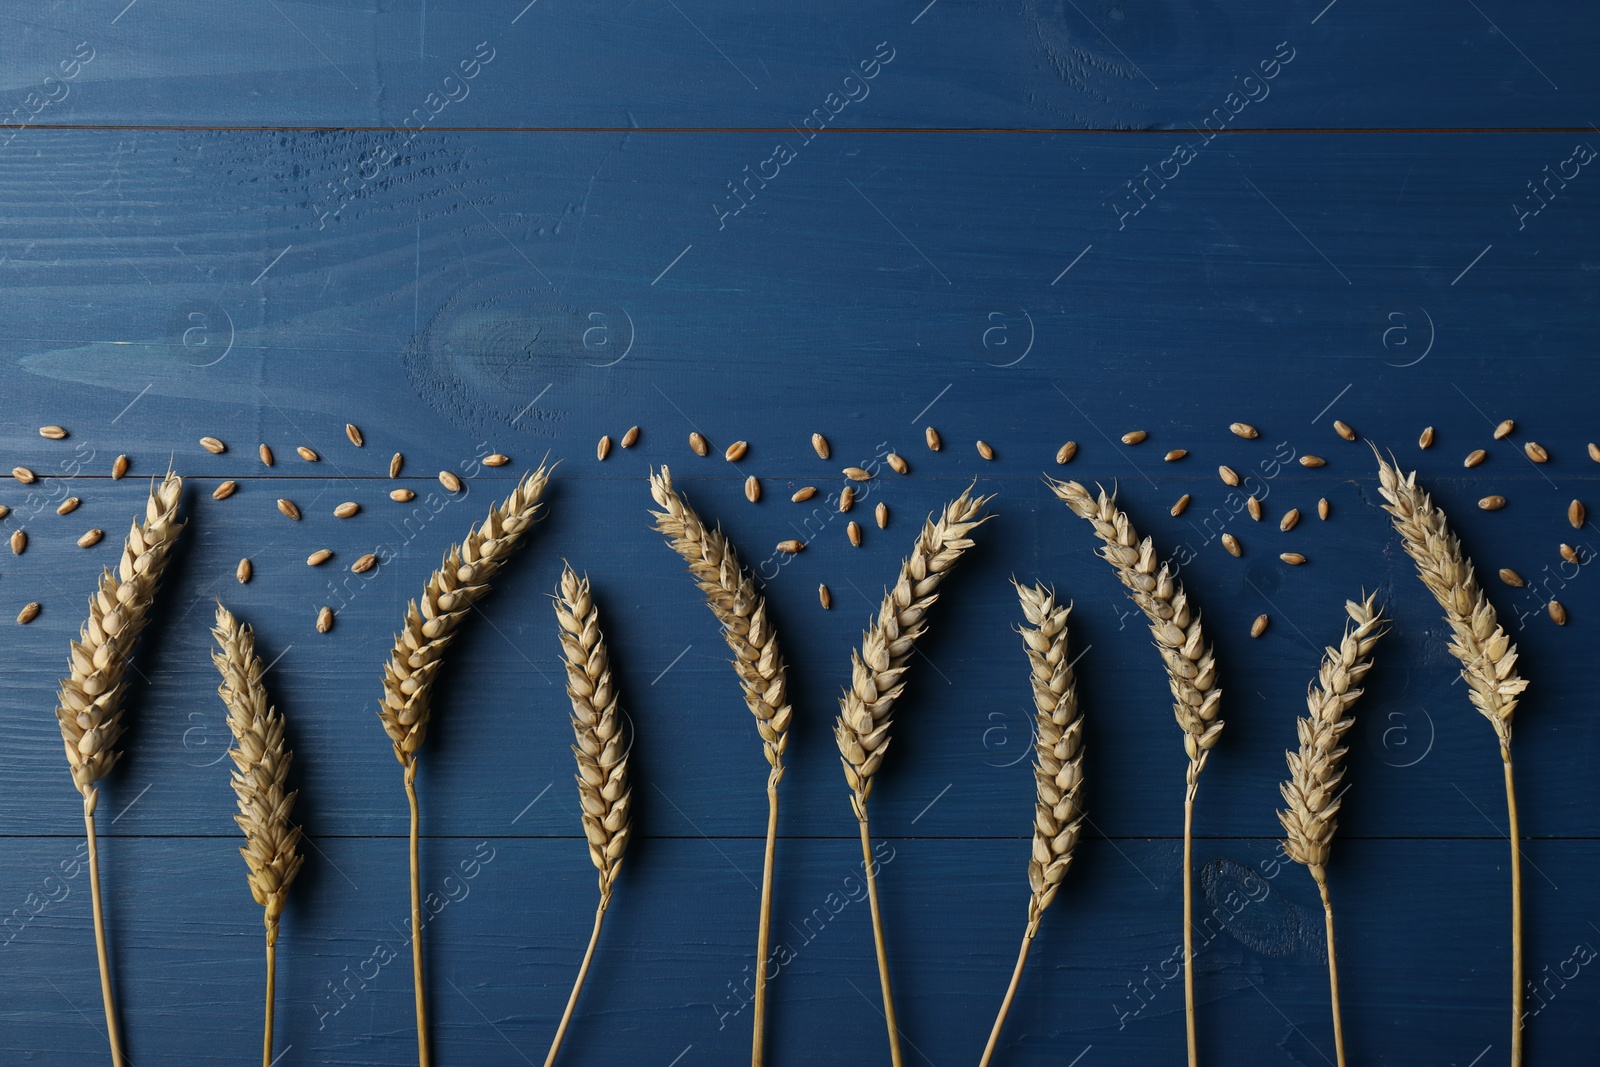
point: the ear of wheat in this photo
(1057, 768)
(1312, 791)
(877, 672)
(408, 676)
(260, 782)
(731, 595)
(1191, 672)
(1487, 655)
(89, 705)
(602, 752)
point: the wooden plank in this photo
(514, 915)
(949, 64)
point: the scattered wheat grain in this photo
(1323, 508)
(820, 444)
(1475, 457)
(1231, 543)
(1065, 453)
(449, 480)
(752, 489)
(1492, 502)
(791, 546)
(1343, 430)
(1594, 452)
(91, 538)
(364, 564)
(1577, 514)
(857, 474)
(225, 490)
(805, 492)
(288, 508)
(853, 530)
(736, 451)
(630, 438)
(68, 506)
(1312, 461)
(1293, 559)
(346, 510)
(119, 468)
(324, 620)
(397, 461)
(824, 597)
(1181, 505)
(698, 444)
(602, 449)
(23, 475)
(319, 557)
(402, 496)
(19, 542)
(1173, 455)
(1558, 612)
(53, 433)
(881, 513)
(264, 450)
(1245, 430)
(1290, 520)
(1511, 578)
(897, 463)
(494, 459)
(1134, 437)
(29, 612)
(1253, 505)
(932, 437)
(1569, 553)
(1536, 452)
(1259, 627)
(212, 445)
(1504, 429)
(1228, 475)
(353, 432)
(985, 450)
(244, 571)
(1425, 440)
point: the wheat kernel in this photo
(225, 490)
(881, 513)
(1294, 559)
(68, 506)
(402, 496)
(1558, 614)
(496, 459)
(1259, 627)
(1182, 503)
(985, 450)
(1511, 578)
(29, 612)
(23, 475)
(396, 462)
(1577, 514)
(353, 432)
(1228, 475)
(119, 468)
(1594, 452)
(1312, 461)
(1536, 452)
(602, 449)
(364, 564)
(932, 437)
(324, 620)
(307, 454)
(1343, 430)
(1231, 543)
(1245, 430)
(1569, 553)
(243, 571)
(824, 597)
(897, 463)
(265, 452)
(854, 531)
(1175, 454)
(752, 489)
(319, 557)
(847, 498)
(1492, 502)
(1065, 453)
(212, 445)
(630, 438)
(1426, 439)
(805, 492)
(698, 444)
(347, 509)
(19, 542)
(791, 546)
(735, 452)
(91, 538)
(449, 480)
(1504, 429)
(1254, 506)
(288, 508)
(1290, 520)
(857, 474)
(1323, 508)
(53, 433)
(820, 444)
(1133, 437)
(1475, 457)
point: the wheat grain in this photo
(601, 750)
(858, 474)
(495, 459)
(752, 489)
(1066, 452)
(819, 443)
(1577, 514)
(225, 490)
(1259, 627)
(29, 612)
(602, 448)
(1057, 768)
(265, 452)
(212, 445)
(805, 492)
(451, 483)
(19, 542)
(91, 538)
(1594, 452)
(877, 680)
(897, 463)
(68, 506)
(847, 499)
(1294, 559)
(23, 475)
(1343, 430)
(791, 546)
(931, 435)
(402, 496)
(319, 557)
(1228, 475)
(363, 564)
(698, 443)
(731, 594)
(1558, 613)
(119, 467)
(1475, 457)
(308, 454)
(1180, 505)
(1312, 792)
(1175, 454)
(1493, 502)
(1569, 553)
(853, 531)
(1487, 655)
(1231, 543)
(1312, 461)
(244, 571)
(881, 515)
(736, 451)
(824, 597)
(1425, 439)
(1504, 429)
(1512, 578)
(629, 439)
(1254, 506)
(346, 510)
(1324, 509)
(1245, 430)
(1536, 452)
(89, 704)
(1191, 671)
(1134, 437)
(324, 619)
(288, 508)
(353, 432)
(53, 433)
(1290, 520)
(985, 450)
(397, 462)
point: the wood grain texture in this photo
(1062, 276)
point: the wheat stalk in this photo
(408, 676)
(602, 752)
(89, 705)
(1487, 655)
(876, 682)
(731, 594)
(1312, 791)
(1057, 768)
(1191, 673)
(260, 782)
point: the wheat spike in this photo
(1058, 747)
(602, 746)
(461, 581)
(1315, 771)
(602, 753)
(877, 672)
(1057, 769)
(89, 706)
(731, 594)
(1191, 674)
(1488, 659)
(261, 761)
(260, 782)
(867, 705)
(1191, 668)
(1487, 655)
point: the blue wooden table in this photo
(472, 227)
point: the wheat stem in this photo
(1321, 877)
(1516, 910)
(272, 987)
(577, 987)
(416, 920)
(1005, 1005)
(91, 797)
(763, 937)
(877, 937)
(1188, 925)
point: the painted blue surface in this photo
(529, 288)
